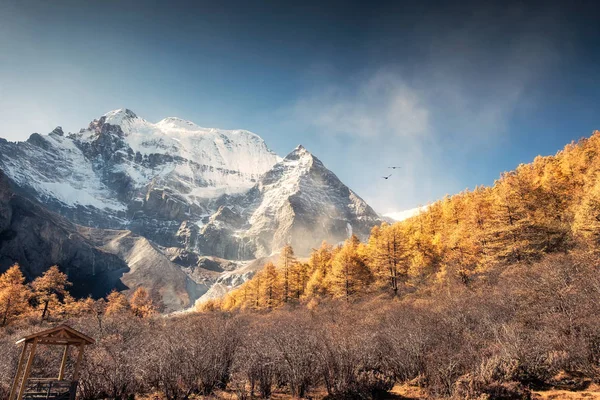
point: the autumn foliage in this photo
(551, 205)
(47, 298)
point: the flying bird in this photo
(394, 167)
(387, 177)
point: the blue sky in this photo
(455, 94)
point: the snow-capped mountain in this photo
(125, 172)
(298, 201)
(191, 191)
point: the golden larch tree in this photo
(350, 274)
(271, 293)
(50, 290)
(388, 256)
(320, 266)
(14, 295)
(586, 224)
(116, 303)
(141, 303)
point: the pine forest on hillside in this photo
(549, 206)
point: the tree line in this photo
(47, 298)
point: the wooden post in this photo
(78, 364)
(61, 373)
(15, 384)
(27, 369)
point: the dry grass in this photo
(399, 392)
(407, 392)
(591, 393)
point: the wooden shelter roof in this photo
(60, 335)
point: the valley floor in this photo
(408, 392)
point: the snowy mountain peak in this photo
(121, 163)
(299, 153)
(300, 201)
(57, 131)
(171, 123)
(116, 117)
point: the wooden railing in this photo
(49, 389)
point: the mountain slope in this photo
(96, 260)
(149, 267)
(38, 239)
(302, 203)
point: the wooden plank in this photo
(63, 363)
(13, 390)
(78, 363)
(59, 341)
(27, 369)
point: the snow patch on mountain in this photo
(406, 214)
(197, 163)
(279, 184)
(63, 173)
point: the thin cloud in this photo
(383, 105)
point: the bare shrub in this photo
(110, 366)
(191, 354)
(352, 365)
(404, 338)
(257, 361)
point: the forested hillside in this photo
(550, 205)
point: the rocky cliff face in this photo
(100, 260)
(185, 189)
(37, 239)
